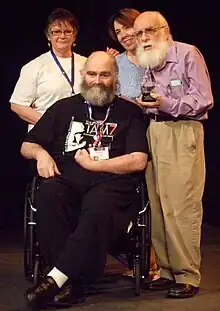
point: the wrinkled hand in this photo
(46, 166)
(112, 52)
(83, 158)
(150, 104)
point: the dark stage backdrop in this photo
(22, 39)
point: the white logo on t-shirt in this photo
(74, 139)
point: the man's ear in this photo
(167, 33)
(82, 72)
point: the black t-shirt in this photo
(66, 127)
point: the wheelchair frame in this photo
(140, 237)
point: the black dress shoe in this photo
(38, 296)
(70, 294)
(180, 290)
(161, 284)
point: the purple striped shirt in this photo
(183, 83)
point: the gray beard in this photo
(152, 58)
(98, 95)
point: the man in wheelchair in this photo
(90, 150)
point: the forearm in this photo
(27, 114)
(188, 105)
(125, 164)
(31, 150)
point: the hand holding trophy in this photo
(148, 84)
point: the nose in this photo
(62, 35)
(144, 37)
(123, 33)
(97, 79)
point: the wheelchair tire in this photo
(29, 237)
(148, 242)
(36, 272)
(26, 261)
(28, 240)
(137, 277)
(28, 254)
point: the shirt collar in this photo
(171, 56)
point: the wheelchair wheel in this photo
(29, 254)
(28, 238)
(137, 277)
(29, 229)
(148, 241)
(26, 261)
(36, 272)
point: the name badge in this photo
(176, 82)
(99, 153)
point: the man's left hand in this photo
(83, 158)
(155, 104)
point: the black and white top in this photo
(66, 127)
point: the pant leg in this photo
(58, 207)
(158, 234)
(181, 177)
(106, 211)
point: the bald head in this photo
(101, 59)
(151, 19)
(99, 82)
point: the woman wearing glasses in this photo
(120, 27)
(54, 74)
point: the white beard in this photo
(154, 57)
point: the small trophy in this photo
(148, 84)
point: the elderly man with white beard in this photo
(176, 175)
(91, 150)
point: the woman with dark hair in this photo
(120, 28)
(54, 74)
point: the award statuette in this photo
(148, 84)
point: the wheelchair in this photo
(136, 254)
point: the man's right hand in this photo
(46, 166)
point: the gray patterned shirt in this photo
(130, 77)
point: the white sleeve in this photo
(25, 90)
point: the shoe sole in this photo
(182, 296)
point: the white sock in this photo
(59, 277)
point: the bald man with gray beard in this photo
(176, 175)
(90, 151)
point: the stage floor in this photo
(117, 293)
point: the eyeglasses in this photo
(151, 31)
(58, 33)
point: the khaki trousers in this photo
(175, 181)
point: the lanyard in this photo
(90, 114)
(98, 137)
(71, 82)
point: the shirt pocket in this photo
(176, 91)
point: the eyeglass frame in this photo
(151, 31)
(66, 32)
